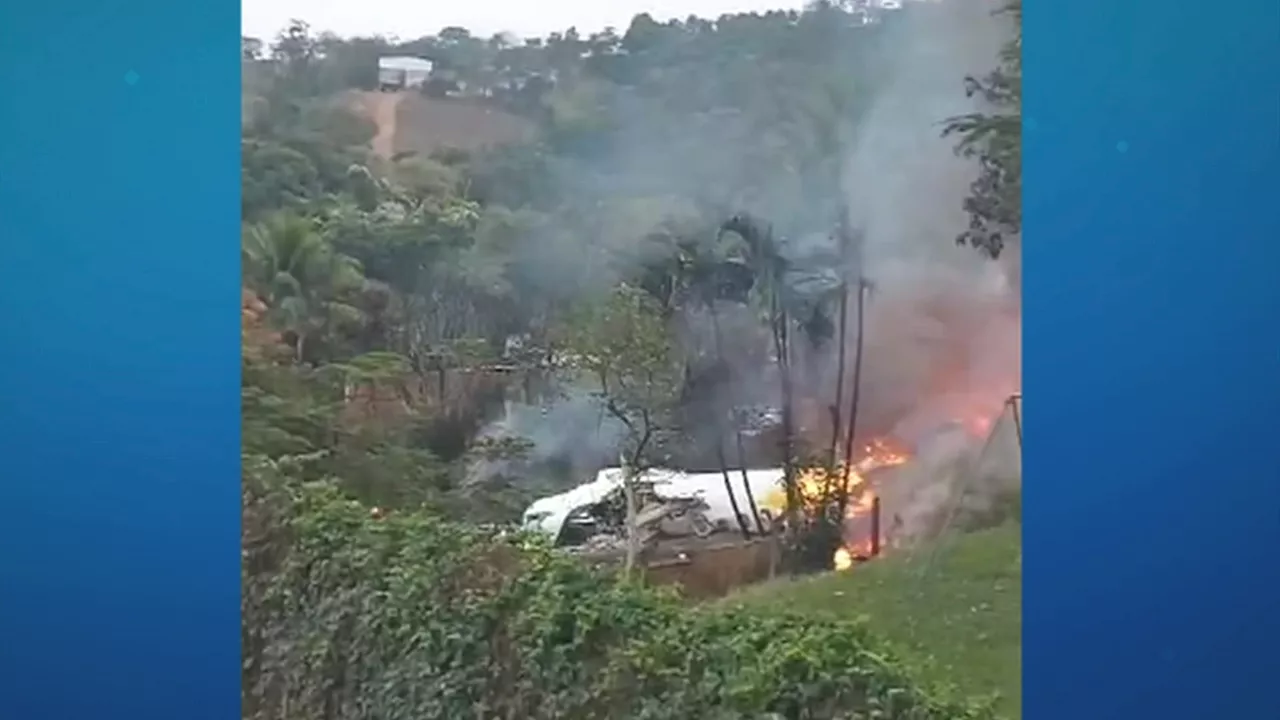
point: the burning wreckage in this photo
(671, 504)
(676, 506)
(682, 508)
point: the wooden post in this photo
(1013, 402)
(875, 526)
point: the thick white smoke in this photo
(942, 334)
(943, 338)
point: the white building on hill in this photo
(402, 72)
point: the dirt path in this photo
(381, 108)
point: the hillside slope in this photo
(383, 109)
(409, 122)
(954, 611)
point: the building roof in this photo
(404, 62)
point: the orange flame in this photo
(843, 559)
(974, 412)
(816, 484)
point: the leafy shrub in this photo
(349, 615)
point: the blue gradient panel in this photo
(1152, 345)
(1152, 348)
(119, 223)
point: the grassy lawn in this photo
(953, 610)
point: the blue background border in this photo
(119, 399)
(1152, 360)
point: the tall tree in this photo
(994, 137)
(769, 268)
(621, 344)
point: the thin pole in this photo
(875, 526)
(1013, 401)
(852, 422)
(842, 349)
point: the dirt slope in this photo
(411, 122)
(383, 109)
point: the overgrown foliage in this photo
(994, 137)
(622, 348)
(348, 615)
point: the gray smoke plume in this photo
(943, 325)
(942, 339)
(954, 482)
(569, 436)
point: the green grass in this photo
(954, 610)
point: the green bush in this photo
(407, 616)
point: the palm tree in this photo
(711, 278)
(768, 270)
(683, 271)
(304, 282)
(799, 300)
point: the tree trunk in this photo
(842, 350)
(836, 419)
(843, 498)
(746, 484)
(440, 384)
(633, 532)
(783, 349)
(717, 337)
(728, 487)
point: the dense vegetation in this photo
(393, 306)
(951, 609)
(411, 617)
